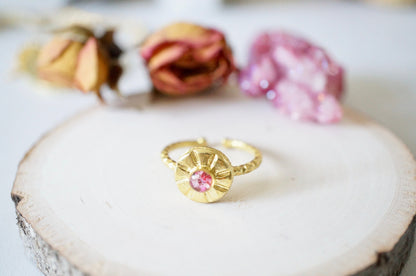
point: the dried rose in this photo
(298, 77)
(57, 61)
(92, 67)
(184, 58)
(77, 58)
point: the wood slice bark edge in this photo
(51, 262)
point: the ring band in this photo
(205, 174)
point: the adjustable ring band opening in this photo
(228, 143)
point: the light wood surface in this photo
(94, 197)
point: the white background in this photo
(377, 46)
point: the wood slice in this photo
(93, 197)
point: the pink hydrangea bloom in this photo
(299, 78)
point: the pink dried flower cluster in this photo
(300, 78)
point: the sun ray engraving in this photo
(183, 181)
(184, 168)
(195, 158)
(221, 187)
(212, 161)
(222, 174)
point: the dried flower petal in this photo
(57, 61)
(183, 58)
(92, 67)
(76, 58)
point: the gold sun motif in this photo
(205, 174)
(210, 161)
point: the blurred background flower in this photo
(300, 78)
(185, 58)
(76, 58)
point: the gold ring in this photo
(205, 174)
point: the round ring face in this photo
(204, 174)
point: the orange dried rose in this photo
(92, 67)
(184, 58)
(57, 61)
(76, 58)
